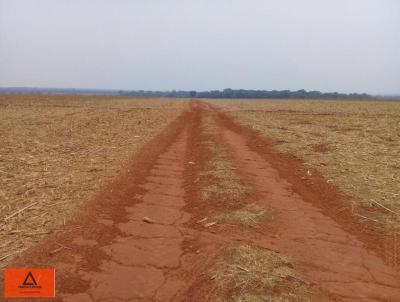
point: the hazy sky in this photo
(327, 45)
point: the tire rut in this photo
(333, 260)
(151, 240)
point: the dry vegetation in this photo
(58, 151)
(224, 186)
(355, 144)
(253, 274)
(248, 215)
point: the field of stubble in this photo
(354, 144)
(58, 151)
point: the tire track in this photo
(333, 260)
(151, 242)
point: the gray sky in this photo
(327, 45)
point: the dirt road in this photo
(151, 236)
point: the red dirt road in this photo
(138, 241)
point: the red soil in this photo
(114, 254)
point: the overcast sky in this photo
(327, 45)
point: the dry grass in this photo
(249, 215)
(245, 267)
(225, 186)
(355, 144)
(253, 274)
(58, 151)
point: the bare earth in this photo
(209, 210)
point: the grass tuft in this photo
(248, 273)
(249, 215)
(246, 266)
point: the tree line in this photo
(212, 94)
(247, 94)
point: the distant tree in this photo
(243, 93)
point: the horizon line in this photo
(188, 90)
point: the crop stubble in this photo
(354, 144)
(58, 151)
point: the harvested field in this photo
(354, 144)
(209, 211)
(58, 151)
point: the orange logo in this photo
(29, 282)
